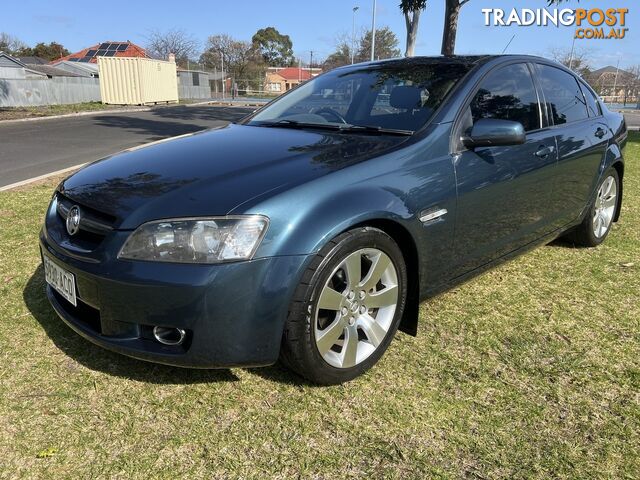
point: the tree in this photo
(339, 58)
(451, 14)
(181, 44)
(578, 61)
(411, 10)
(10, 44)
(386, 45)
(241, 59)
(276, 49)
(50, 51)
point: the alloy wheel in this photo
(605, 206)
(356, 307)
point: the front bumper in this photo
(233, 313)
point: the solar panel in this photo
(112, 46)
(84, 59)
(122, 47)
(101, 53)
(110, 53)
(73, 59)
(91, 53)
(104, 46)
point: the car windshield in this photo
(395, 96)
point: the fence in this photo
(193, 92)
(49, 91)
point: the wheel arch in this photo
(613, 158)
(400, 235)
(619, 166)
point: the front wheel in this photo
(599, 219)
(347, 308)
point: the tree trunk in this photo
(412, 32)
(451, 12)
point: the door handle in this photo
(544, 152)
(600, 133)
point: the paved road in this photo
(632, 119)
(30, 149)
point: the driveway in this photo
(30, 149)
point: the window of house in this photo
(508, 93)
(196, 79)
(565, 102)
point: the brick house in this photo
(280, 79)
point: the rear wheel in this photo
(347, 308)
(599, 219)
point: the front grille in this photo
(94, 225)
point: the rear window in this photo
(394, 95)
(564, 100)
(592, 103)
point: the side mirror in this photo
(492, 132)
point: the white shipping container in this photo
(137, 81)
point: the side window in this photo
(565, 102)
(592, 103)
(508, 94)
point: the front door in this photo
(504, 193)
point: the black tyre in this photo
(347, 307)
(598, 221)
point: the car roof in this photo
(470, 60)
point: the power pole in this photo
(353, 35)
(373, 32)
(310, 62)
(573, 45)
(223, 79)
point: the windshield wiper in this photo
(342, 127)
(375, 129)
(296, 124)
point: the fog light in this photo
(169, 335)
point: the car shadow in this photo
(99, 359)
(562, 243)
(157, 129)
(207, 113)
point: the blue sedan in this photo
(310, 231)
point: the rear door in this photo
(581, 136)
(504, 193)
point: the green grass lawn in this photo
(529, 371)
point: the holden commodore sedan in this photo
(311, 230)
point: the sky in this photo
(312, 25)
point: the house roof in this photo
(607, 75)
(294, 73)
(18, 64)
(105, 49)
(50, 71)
(33, 60)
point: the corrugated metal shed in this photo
(83, 69)
(137, 81)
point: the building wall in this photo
(48, 91)
(193, 85)
(191, 92)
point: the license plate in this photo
(62, 281)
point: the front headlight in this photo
(196, 240)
